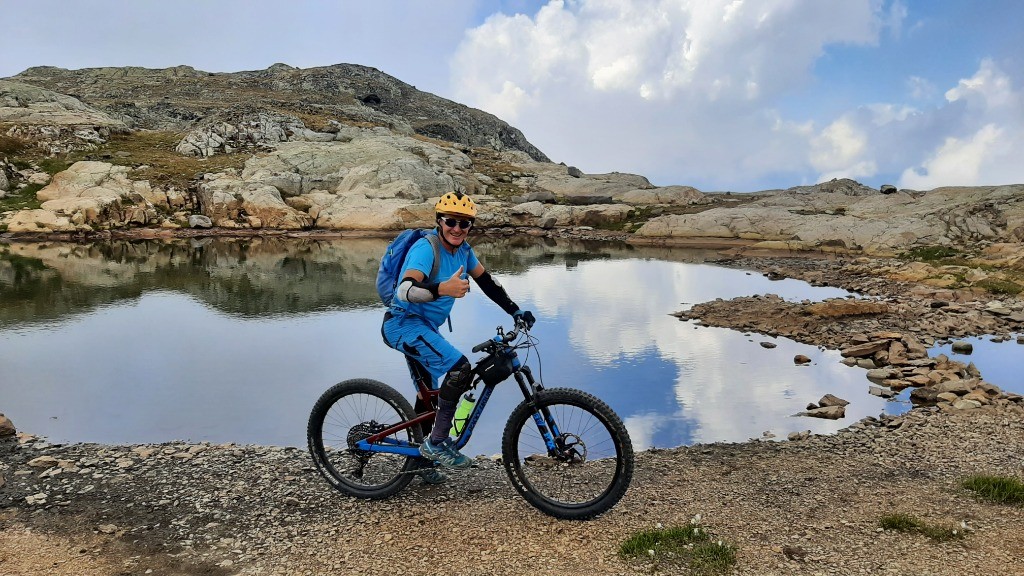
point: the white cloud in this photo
(959, 161)
(726, 387)
(989, 88)
(974, 138)
(894, 19)
(693, 92)
(839, 144)
(920, 88)
(659, 87)
(982, 143)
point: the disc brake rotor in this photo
(571, 449)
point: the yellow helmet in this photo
(456, 203)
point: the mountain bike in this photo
(565, 451)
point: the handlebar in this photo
(505, 337)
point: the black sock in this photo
(443, 420)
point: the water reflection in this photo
(1001, 363)
(233, 340)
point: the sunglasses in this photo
(451, 222)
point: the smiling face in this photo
(454, 228)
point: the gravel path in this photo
(200, 509)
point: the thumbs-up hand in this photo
(456, 286)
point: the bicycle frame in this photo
(546, 425)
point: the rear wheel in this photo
(591, 466)
(347, 413)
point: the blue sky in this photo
(718, 94)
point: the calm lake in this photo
(232, 340)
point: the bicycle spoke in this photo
(348, 413)
(571, 478)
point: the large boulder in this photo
(548, 215)
(39, 220)
(230, 201)
(98, 193)
(29, 105)
(366, 179)
(253, 131)
(374, 162)
(6, 428)
(54, 122)
(668, 195)
(860, 218)
(581, 189)
(359, 212)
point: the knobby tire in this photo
(346, 412)
(573, 491)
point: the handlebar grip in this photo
(482, 345)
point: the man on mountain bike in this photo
(421, 305)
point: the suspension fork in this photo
(546, 424)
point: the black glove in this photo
(526, 317)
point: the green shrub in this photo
(712, 558)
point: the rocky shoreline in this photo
(886, 331)
(181, 508)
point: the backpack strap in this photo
(435, 243)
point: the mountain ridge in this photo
(145, 99)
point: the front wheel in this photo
(347, 413)
(590, 466)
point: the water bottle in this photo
(462, 413)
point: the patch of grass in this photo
(999, 489)
(164, 166)
(690, 546)
(24, 199)
(712, 558)
(11, 145)
(930, 253)
(906, 523)
(1002, 287)
(52, 165)
(899, 522)
(153, 149)
(676, 537)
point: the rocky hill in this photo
(183, 98)
(347, 147)
(340, 147)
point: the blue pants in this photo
(416, 338)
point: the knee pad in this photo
(457, 381)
